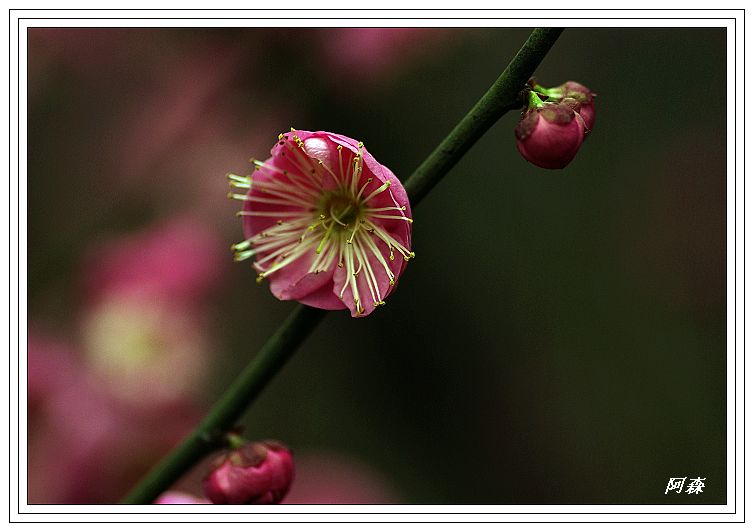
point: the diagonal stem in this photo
(502, 97)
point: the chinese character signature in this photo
(694, 487)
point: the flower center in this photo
(341, 207)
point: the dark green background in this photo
(560, 337)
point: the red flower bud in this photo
(585, 97)
(549, 135)
(256, 473)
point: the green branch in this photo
(503, 96)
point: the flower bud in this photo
(255, 473)
(585, 97)
(550, 134)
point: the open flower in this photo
(326, 223)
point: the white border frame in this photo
(21, 20)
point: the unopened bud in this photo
(585, 97)
(255, 473)
(550, 134)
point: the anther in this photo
(243, 255)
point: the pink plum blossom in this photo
(550, 134)
(255, 473)
(326, 223)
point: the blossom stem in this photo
(503, 96)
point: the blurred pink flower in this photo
(144, 351)
(83, 447)
(337, 479)
(176, 260)
(144, 331)
(176, 497)
(375, 53)
(133, 392)
(325, 222)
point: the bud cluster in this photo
(555, 123)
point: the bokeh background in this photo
(560, 337)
